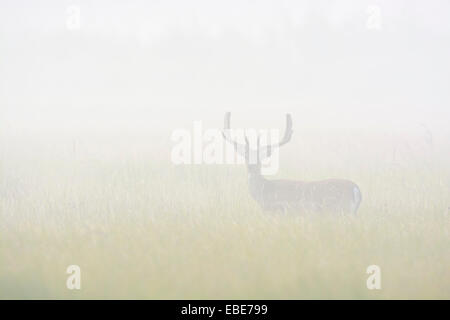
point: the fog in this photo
(144, 65)
(113, 158)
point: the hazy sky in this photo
(163, 63)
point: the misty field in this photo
(140, 227)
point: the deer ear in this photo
(269, 151)
(265, 152)
(247, 148)
(246, 140)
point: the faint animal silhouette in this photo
(333, 195)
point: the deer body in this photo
(332, 195)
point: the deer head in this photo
(253, 156)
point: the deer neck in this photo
(256, 184)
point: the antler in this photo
(242, 149)
(287, 137)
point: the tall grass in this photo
(140, 227)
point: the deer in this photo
(331, 195)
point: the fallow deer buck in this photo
(333, 195)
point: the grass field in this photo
(140, 227)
